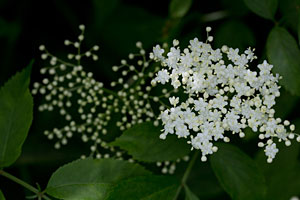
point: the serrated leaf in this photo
(238, 174)
(16, 107)
(263, 8)
(189, 195)
(284, 54)
(145, 188)
(143, 143)
(2, 196)
(179, 8)
(90, 178)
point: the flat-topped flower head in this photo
(224, 95)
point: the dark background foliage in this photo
(115, 25)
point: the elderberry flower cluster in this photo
(223, 96)
(89, 109)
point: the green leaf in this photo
(284, 184)
(189, 195)
(145, 188)
(283, 175)
(238, 174)
(243, 35)
(103, 9)
(143, 143)
(298, 29)
(236, 8)
(206, 187)
(285, 159)
(2, 196)
(284, 54)
(289, 9)
(263, 8)
(16, 109)
(179, 8)
(90, 178)
(126, 25)
(285, 104)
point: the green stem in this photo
(186, 174)
(24, 184)
(110, 92)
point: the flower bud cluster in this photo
(89, 108)
(224, 95)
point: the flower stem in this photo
(186, 174)
(25, 185)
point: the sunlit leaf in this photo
(89, 178)
(15, 116)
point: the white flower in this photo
(219, 102)
(271, 126)
(196, 82)
(157, 53)
(250, 54)
(200, 104)
(233, 54)
(221, 97)
(162, 76)
(173, 57)
(271, 151)
(265, 67)
(269, 100)
(187, 60)
(174, 100)
(195, 45)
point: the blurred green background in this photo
(116, 25)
